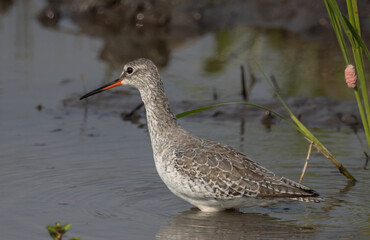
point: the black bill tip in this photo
(112, 84)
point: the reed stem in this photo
(306, 163)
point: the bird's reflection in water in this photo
(194, 224)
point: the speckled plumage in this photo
(209, 175)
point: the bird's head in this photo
(141, 73)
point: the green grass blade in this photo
(302, 128)
(352, 28)
(363, 116)
(350, 31)
(338, 31)
(201, 109)
(353, 15)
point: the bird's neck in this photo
(162, 123)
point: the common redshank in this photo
(209, 175)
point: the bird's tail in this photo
(312, 196)
(308, 199)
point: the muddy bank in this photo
(153, 29)
(320, 112)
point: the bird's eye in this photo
(129, 70)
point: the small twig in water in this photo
(137, 108)
(244, 86)
(367, 160)
(131, 115)
(274, 82)
(215, 96)
(83, 124)
(242, 129)
(305, 165)
(252, 77)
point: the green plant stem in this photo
(340, 167)
(337, 29)
(310, 137)
(363, 117)
(353, 14)
(357, 54)
(196, 110)
(361, 77)
(351, 32)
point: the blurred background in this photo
(90, 162)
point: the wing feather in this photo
(230, 173)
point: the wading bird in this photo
(209, 175)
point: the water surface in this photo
(91, 169)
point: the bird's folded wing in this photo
(228, 173)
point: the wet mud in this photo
(152, 29)
(316, 112)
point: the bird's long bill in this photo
(113, 84)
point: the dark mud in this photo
(320, 112)
(152, 29)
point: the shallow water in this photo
(95, 171)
